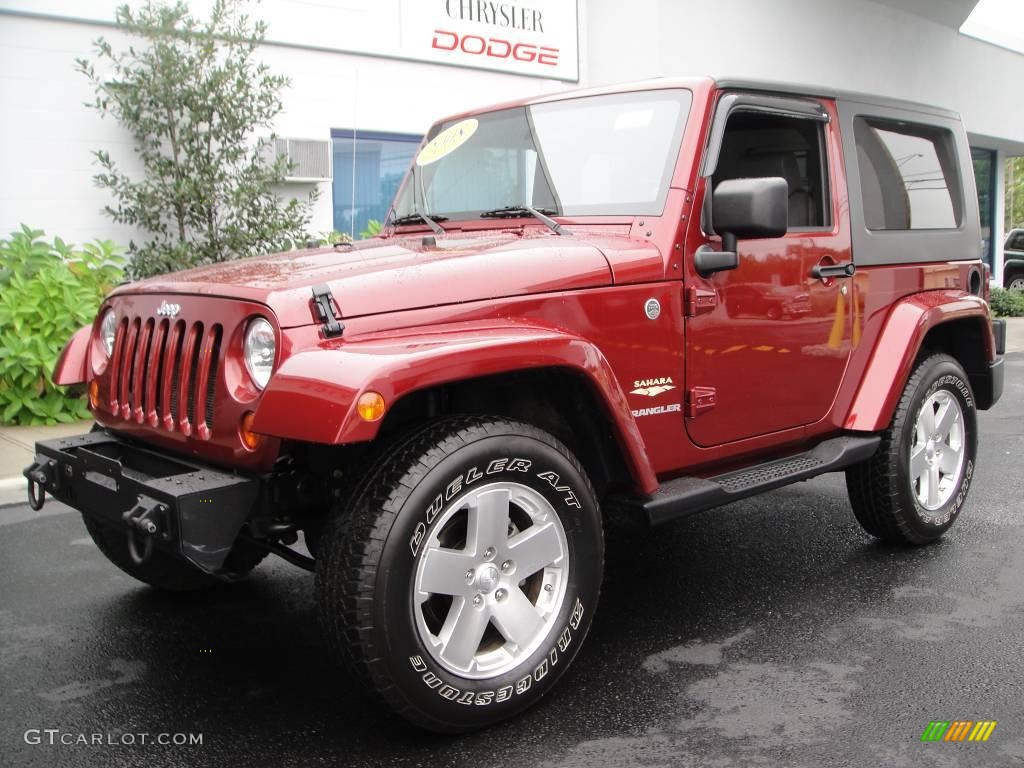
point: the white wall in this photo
(47, 134)
(851, 44)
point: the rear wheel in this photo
(914, 487)
(461, 581)
(1015, 281)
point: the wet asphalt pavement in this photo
(771, 632)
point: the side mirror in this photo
(744, 209)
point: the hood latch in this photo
(324, 304)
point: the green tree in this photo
(200, 109)
(1014, 192)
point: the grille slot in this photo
(176, 368)
(211, 385)
(193, 365)
(165, 373)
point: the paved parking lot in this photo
(772, 632)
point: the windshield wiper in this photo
(519, 211)
(414, 217)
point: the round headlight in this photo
(259, 351)
(108, 329)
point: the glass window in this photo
(908, 175)
(757, 144)
(594, 155)
(368, 167)
(984, 177)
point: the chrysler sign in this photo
(537, 37)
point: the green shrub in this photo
(373, 228)
(48, 290)
(1006, 303)
(332, 238)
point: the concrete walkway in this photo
(1015, 334)
(17, 449)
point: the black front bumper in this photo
(182, 507)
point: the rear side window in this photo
(908, 175)
(1017, 242)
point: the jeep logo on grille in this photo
(168, 310)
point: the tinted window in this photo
(757, 144)
(612, 154)
(908, 176)
(1017, 242)
(595, 155)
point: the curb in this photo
(13, 490)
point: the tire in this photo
(896, 499)
(1014, 281)
(515, 627)
(166, 572)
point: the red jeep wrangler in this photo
(627, 304)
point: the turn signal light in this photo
(370, 406)
(94, 394)
(250, 439)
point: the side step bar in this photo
(687, 495)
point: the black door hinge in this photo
(698, 301)
(700, 400)
(324, 303)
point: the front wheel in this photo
(914, 487)
(1015, 281)
(461, 580)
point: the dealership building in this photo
(368, 77)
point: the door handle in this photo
(827, 271)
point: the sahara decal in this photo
(652, 387)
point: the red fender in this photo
(898, 344)
(312, 396)
(71, 367)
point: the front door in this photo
(772, 342)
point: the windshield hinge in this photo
(324, 303)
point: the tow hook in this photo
(144, 521)
(36, 491)
(38, 477)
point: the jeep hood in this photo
(390, 275)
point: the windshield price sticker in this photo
(447, 141)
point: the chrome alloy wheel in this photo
(937, 450)
(1017, 284)
(491, 580)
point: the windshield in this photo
(611, 155)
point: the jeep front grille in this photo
(164, 373)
